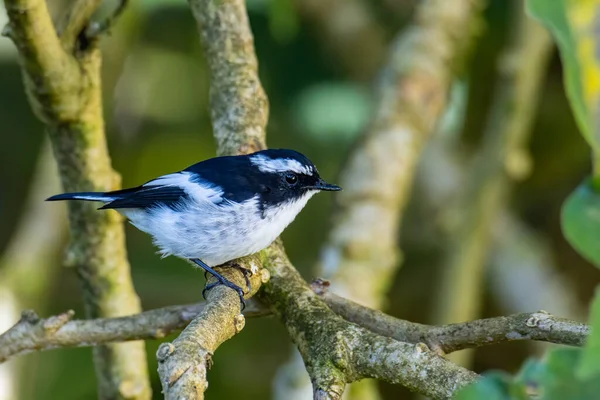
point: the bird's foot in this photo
(247, 274)
(223, 281)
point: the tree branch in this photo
(31, 333)
(182, 364)
(413, 366)
(337, 352)
(360, 257)
(446, 339)
(49, 71)
(239, 105)
(63, 83)
(239, 110)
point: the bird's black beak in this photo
(322, 185)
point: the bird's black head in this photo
(277, 176)
(287, 175)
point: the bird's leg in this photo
(221, 280)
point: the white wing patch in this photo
(198, 189)
(266, 164)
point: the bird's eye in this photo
(291, 178)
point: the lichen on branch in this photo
(183, 363)
(446, 339)
(239, 110)
(337, 352)
(63, 83)
(239, 105)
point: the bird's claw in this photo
(247, 274)
(222, 281)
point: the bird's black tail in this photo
(86, 196)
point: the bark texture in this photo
(62, 80)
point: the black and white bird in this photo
(219, 209)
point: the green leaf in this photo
(493, 386)
(530, 375)
(581, 221)
(572, 23)
(555, 377)
(558, 380)
(590, 360)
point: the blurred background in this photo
(318, 62)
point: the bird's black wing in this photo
(232, 174)
(145, 196)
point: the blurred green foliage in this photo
(333, 111)
(552, 378)
(581, 221)
(589, 367)
(563, 373)
(572, 24)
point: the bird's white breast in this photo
(215, 232)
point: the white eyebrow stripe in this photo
(266, 164)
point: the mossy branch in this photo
(62, 80)
(239, 105)
(29, 335)
(239, 110)
(337, 352)
(360, 257)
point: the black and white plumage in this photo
(219, 209)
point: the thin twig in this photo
(29, 333)
(446, 339)
(101, 28)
